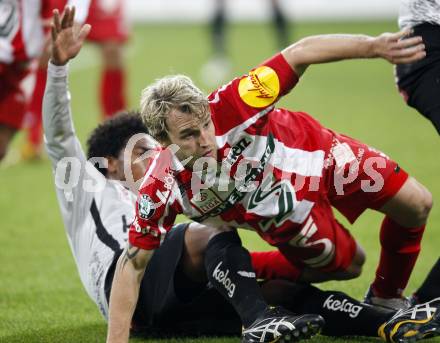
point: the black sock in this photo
(343, 315)
(218, 25)
(281, 27)
(229, 270)
(430, 288)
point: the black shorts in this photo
(170, 304)
(419, 82)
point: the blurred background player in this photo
(31, 148)
(21, 41)
(218, 68)
(419, 82)
(110, 33)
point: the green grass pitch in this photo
(41, 296)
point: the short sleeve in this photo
(156, 206)
(253, 94)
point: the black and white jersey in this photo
(97, 212)
(415, 12)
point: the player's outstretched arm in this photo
(66, 39)
(60, 138)
(129, 272)
(329, 48)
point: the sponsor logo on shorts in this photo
(145, 207)
(260, 88)
(342, 306)
(222, 277)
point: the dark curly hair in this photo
(110, 137)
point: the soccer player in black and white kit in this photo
(175, 297)
(419, 82)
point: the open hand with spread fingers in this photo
(66, 41)
(399, 47)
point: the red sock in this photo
(112, 91)
(35, 135)
(271, 265)
(400, 248)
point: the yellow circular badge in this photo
(260, 88)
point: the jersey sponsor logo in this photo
(265, 197)
(237, 150)
(222, 277)
(145, 207)
(260, 88)
(238, 193)
(207, 200)
(8, 18)
(342, 306)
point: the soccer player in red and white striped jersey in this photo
(110, 33)
(234, 158)
(23, 30)
(21, 40)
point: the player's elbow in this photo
(296, 56)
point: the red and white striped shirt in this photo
(22, 27)
(269, 172)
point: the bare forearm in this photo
(330, 48)
(125, 291)
(124, 295)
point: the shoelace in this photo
(425, 308)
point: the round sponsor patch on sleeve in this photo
(260, 88)
(145, 207)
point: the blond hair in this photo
(176, 92)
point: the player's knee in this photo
(414, 205)
(112, 54)
(354, 270)
(425, 206)
(421, 207)
(214, 231)
(202, 234)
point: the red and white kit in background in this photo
(285, 170)
(21, 41)
(107, 18)
(23, 30)
(109, 24)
